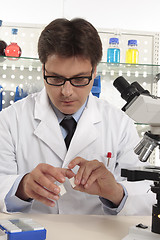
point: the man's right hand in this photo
(40, 184)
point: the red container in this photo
(13, 49)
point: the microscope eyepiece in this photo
(128, 91)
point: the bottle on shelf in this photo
(113, 52)
(13, 49)
(19, 94)
(3, 46)
(132, 53)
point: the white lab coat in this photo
(30, 134)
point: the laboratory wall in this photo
(115, 16)
(133, 15)
(138, 15)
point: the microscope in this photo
(143, 108)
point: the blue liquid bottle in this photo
(113, 52)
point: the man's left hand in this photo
(94, 178)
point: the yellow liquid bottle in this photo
(132, 53)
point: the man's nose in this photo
(67, 89)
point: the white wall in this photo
(133, 15)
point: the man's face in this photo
(67, 98)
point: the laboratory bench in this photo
(83, 227)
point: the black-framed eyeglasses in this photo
(75, 81)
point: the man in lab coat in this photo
(34, 158)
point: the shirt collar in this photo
(76, 115)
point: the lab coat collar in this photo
(49, 131)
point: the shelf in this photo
(26, 73)
(103, 67)
(128, 69)
(18, 62)
(146, 74)
(26, 70)
(23, 71)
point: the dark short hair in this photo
(68, 38)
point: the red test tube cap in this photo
(109, 155)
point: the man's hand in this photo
(40, 184)
(94, 178)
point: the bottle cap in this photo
(113, 40)
(0, 23)
(14, 31)
(132, 42)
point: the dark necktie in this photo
(69, 124)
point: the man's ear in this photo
(43, 69)
(95, 72)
